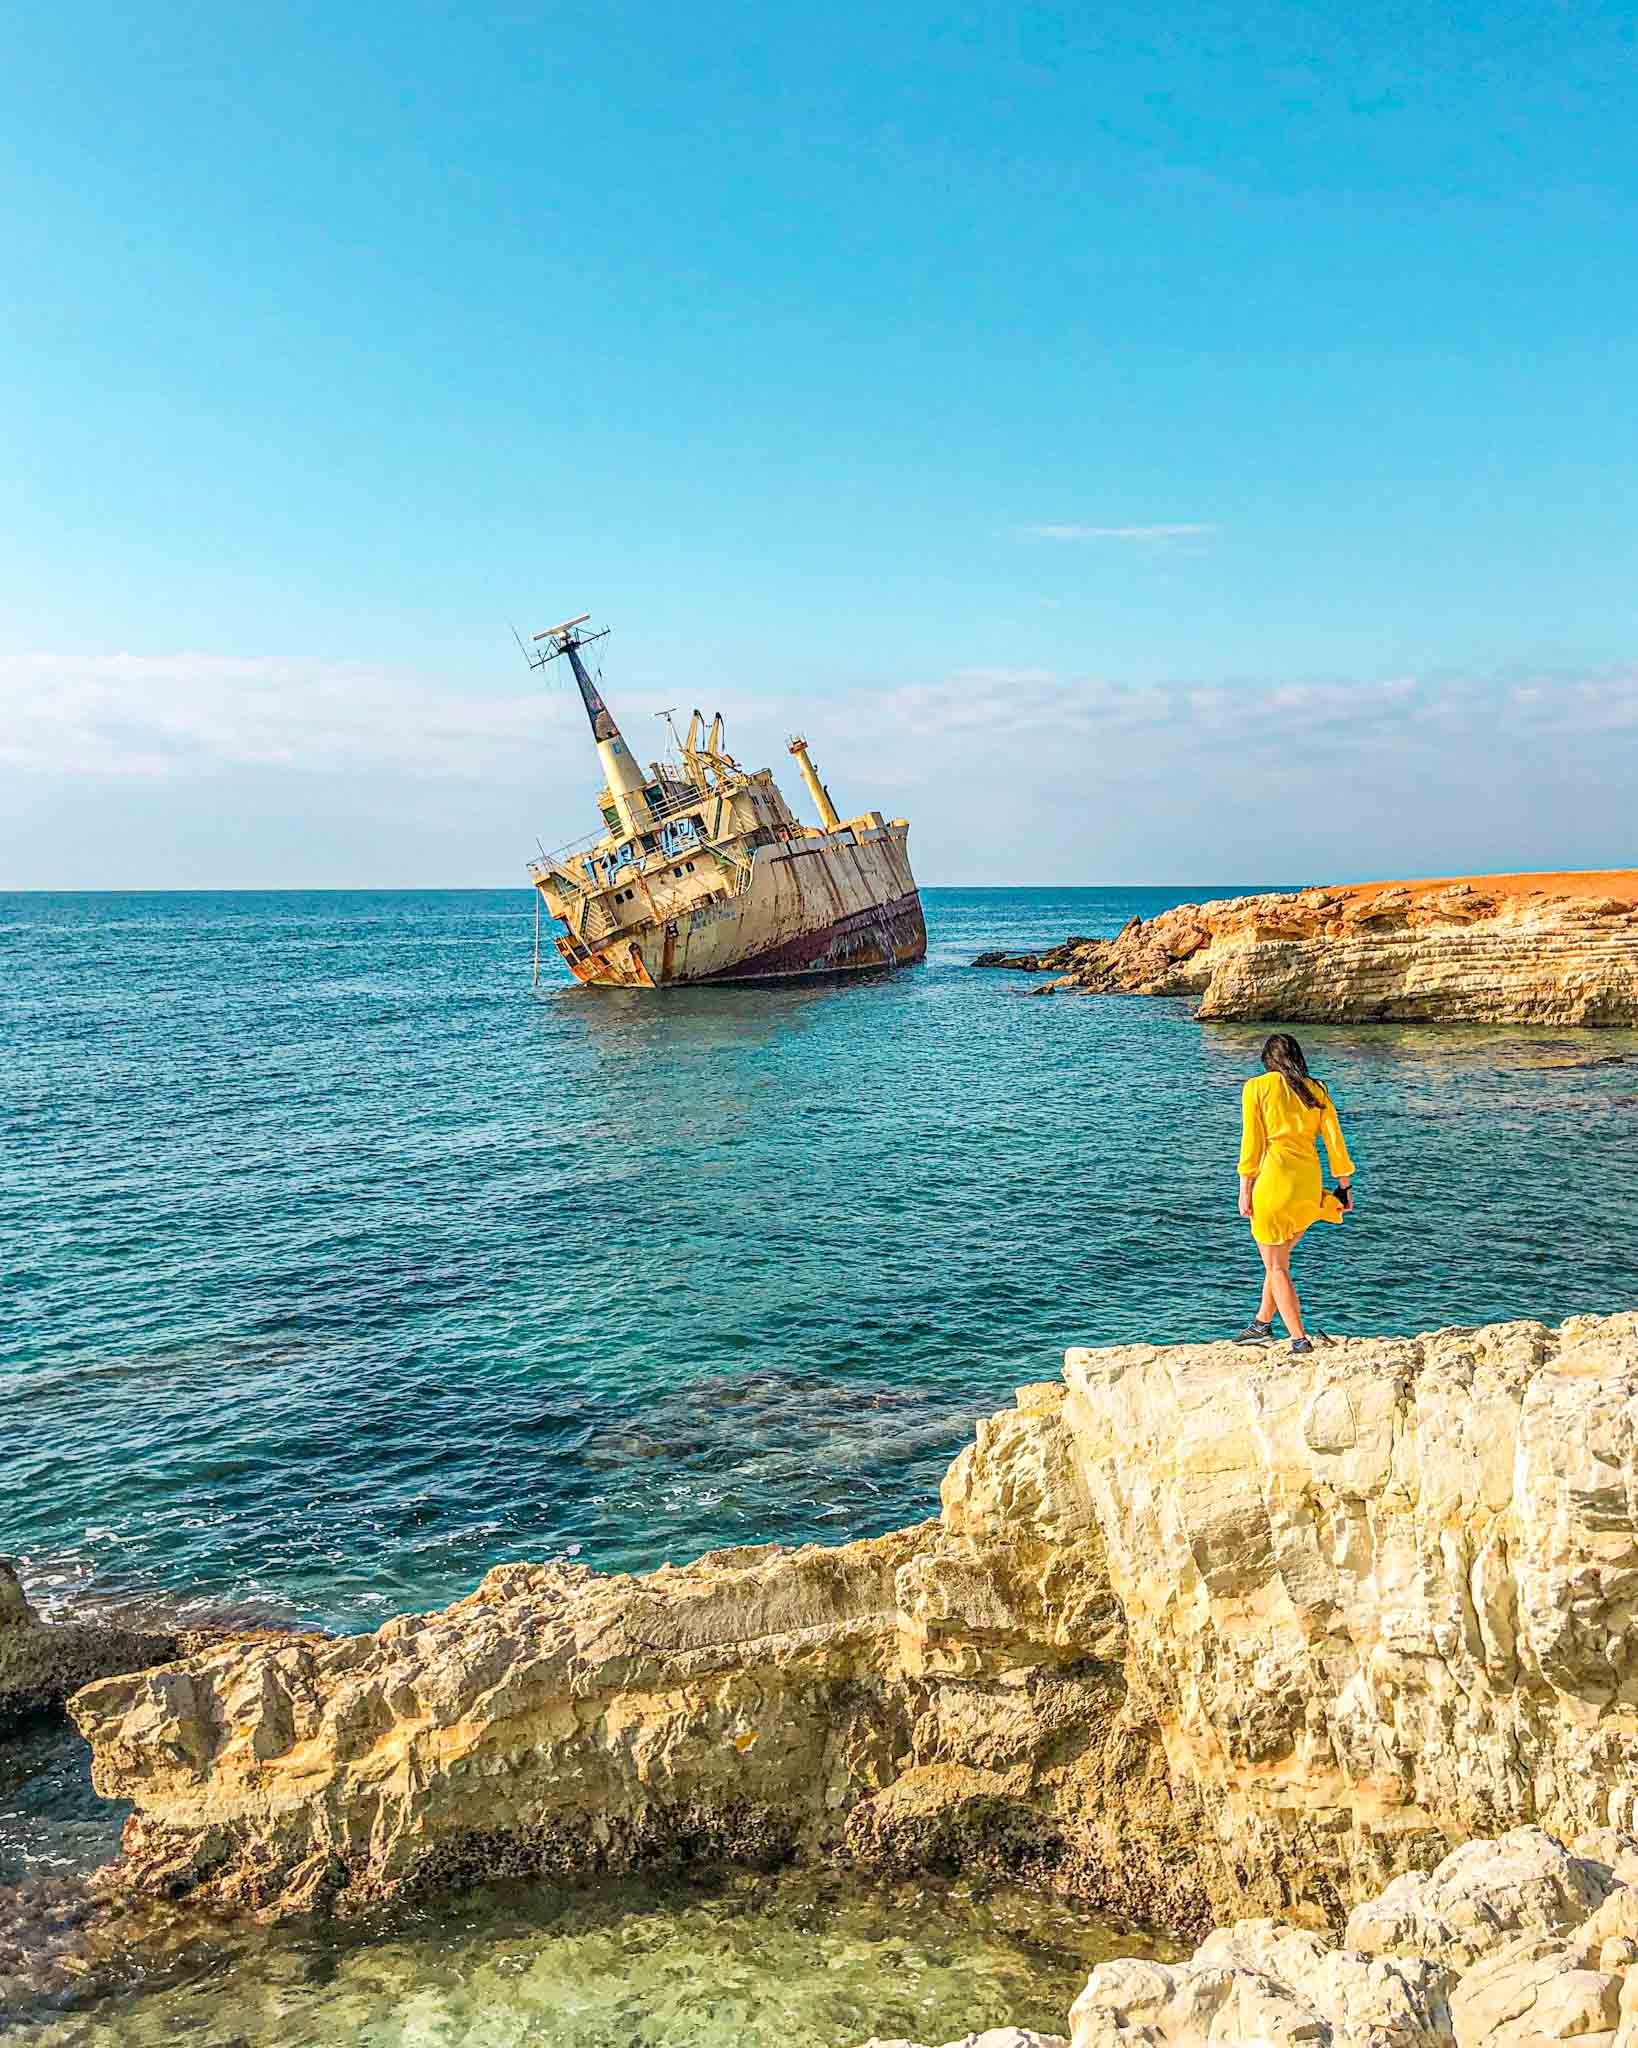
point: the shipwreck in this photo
(702, 872)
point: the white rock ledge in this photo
(1515, 1943)
(1202, 1633)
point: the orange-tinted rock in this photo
(1507, 949)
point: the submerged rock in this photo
(43, 1662)
(992, 2037)
(1054, 958)
(1202, 1632)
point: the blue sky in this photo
(1177, 437)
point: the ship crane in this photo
(703, 753)
(829, 816)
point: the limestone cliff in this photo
(1554, 949)
(1203, 1631)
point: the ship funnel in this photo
(816, 789)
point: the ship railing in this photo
(563, 860)
(561, 856)
(685, 800)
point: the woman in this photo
(1282, 1113)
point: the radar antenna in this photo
(566, 639)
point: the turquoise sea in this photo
(340, 1265)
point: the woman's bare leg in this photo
(1278, 1291)
(1265, 1308)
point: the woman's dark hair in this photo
(1282, 1055)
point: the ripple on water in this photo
(343, 1269)
(339, 1269)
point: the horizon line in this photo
(970, 888)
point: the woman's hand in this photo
(1246, 1183)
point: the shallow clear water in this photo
(338, 1267)
(801, 1960)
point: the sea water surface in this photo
(339, 1265)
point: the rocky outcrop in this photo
(43, 1662)
(1498, 949)
(1516, 1943)
(1049, 962)
(931, 1697)
(1202, 1632)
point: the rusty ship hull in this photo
(704, 873)
(842, 907)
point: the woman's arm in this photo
(1335, 1150)
(1253, 1142)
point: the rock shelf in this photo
(1201, 1633)
(1540, 949)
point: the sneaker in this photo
(1301, 1345)
(1256, 1333)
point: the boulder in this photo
(1259, 1981)
(1481, 1899)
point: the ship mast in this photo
(625, 778)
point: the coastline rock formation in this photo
(1203, 1632)
(1516, 1943)
(43, 1662)
(1554, 949)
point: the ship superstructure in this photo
(702, 872)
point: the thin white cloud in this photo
(164, 717)
(1177, 530)
(173, 717)
(931, 728)
(265, 770)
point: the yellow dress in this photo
(1277, 1145)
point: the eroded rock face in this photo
(1499, 949)
(1205, 1631)
(934, 1697)
(1377, 1605)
